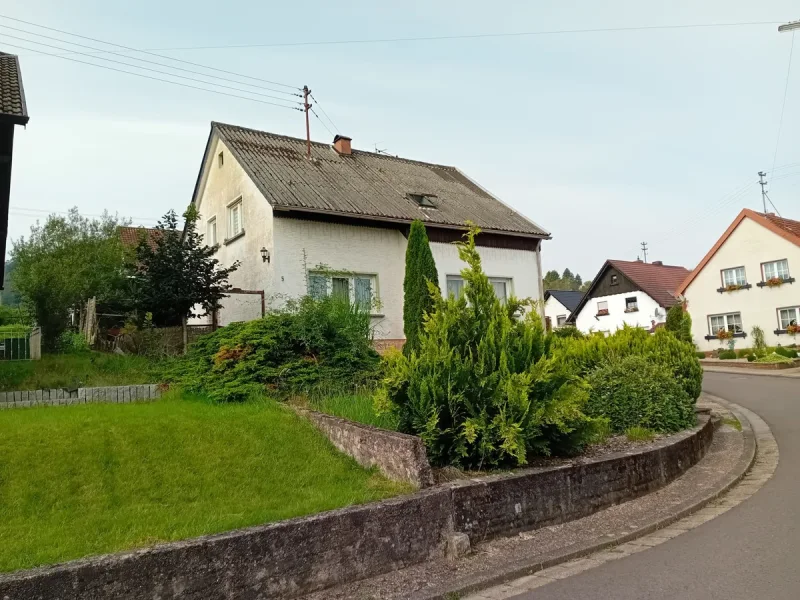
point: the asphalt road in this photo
(751, 551)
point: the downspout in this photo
(541, 284)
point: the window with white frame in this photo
(211, 232)
(356, 288)
(776, 268)
(788, 316)
(561, 320)
(602, 307)
(235, 224)
(733, 276)
(731, 322)
(500, 285)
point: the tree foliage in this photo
(176, 275)
(566, 281)
(65, 262)
(679, 323)
(420, 270)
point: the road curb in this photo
(744, 464)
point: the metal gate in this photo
(18, 342)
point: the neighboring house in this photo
(131, 236)
(558, 306)
(746, 279)
(337, 224)
(633, 293)
(13, 112)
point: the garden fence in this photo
(19, 342)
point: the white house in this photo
(633, 293)
(336, 223)
(558, 306)
(746, 280)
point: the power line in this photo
(321, 121)
(783, 105)
(319, 106)
(144, 60)
(193, 87)
(149, 52)
(119, 62)
(472, 36)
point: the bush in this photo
(72, 342)
(743, 353)
(568, 331)
(700, 355)
(639, 434)
(311, 343)
(750, 357)
(636, 392)
(420, 270)
(787, 352)
(480, 390)
(772, 358)
(727, 354)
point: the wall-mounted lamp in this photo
(264, 255)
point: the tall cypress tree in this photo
(420, 268)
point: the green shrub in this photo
(420, 270)
(750, 357)
(568, 331)
(759, 345)
(700, 355)
(311, 343)
(772, 358)
(727, 355)
(72, 342)
(743, 352)
(637, 392)
(787, 352)
(480, 390)
(679, 323)
(639, 434)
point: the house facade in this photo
(558, 306)
(747, 279)
(337, 223)
(632, 293)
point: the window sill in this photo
(602, 314)
(746, 286)
(735, 336)
(227, 241)
(762, 284)
(631, 310)
(784, 332)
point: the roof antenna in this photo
(644, 250)
(306, 108)
(763, 183)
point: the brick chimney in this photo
(341, 143)
(658, 263)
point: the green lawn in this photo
(90, 479)
(357, 408)
(86, 369)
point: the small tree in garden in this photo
(480, 390)
(759, 344)
(680, 323)
(420, 270)
(177, 272)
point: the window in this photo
(220, 159)
(631, 304)
(500, 285)
(733, 276)
(235, 225)
(777, 268)
(424, 200)
(788, 316)
(730, 322)
(561, 320)
(614, 280)
(358, 289)
(211, 232)
(602, 307)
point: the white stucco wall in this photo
(554, 309)
(749, 245)
(223, 184)
(649, 311)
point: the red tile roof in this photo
(788, 225)
(660, 282)
(130, 235)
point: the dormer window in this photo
(423, 200)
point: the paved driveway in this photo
(751, 551)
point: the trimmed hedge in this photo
(727, 355)
(787, 352)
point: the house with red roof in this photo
(747, 279)
(632, 293)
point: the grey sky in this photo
(605, 139)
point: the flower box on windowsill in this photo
(630, 310)
(602, 313)
(767, 283)
(734, 288)
(735, 335)
(792, 330)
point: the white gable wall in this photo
(554, 309)
(749, 245)
(649, 310)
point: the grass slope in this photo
(91, 479)
(358, 408)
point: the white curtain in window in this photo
(778, 268)
(788, 316)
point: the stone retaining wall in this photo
(737, 364)
(61, 396)
(299, 556)
(399, 456)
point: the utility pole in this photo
(644, 250)
(307, 107)
(763, 182)
(791, 26)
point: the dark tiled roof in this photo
(130, 235)
(365, 184)
(568, 298)
(12, 94)
(660, 282)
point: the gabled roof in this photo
(130, 235)
(364, 185)
(785, 228)
(658, 281)
(570, 299)
(12, 95)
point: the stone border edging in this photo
(581, 550)
(121, 394)
(751, 366)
